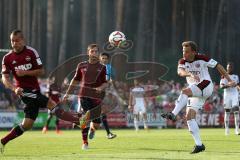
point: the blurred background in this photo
(61, 29)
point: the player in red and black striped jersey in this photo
(24, 63)
(91, 76)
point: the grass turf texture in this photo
(153, 144)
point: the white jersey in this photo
(138, 95)
(199, 66)
(230, 91)
(138, 99)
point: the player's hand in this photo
(19, 91)
(98, 90)
(65, 99)
(20, 73)
(197, 79)
(130, 107)
(232, 84)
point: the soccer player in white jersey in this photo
(137, 104)
(194, 67)
(230, 98)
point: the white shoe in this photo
(226, 132)
(84, 146)
(236, 132)
(1, 148)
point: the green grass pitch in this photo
(154, 144)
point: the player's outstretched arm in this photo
(71, 86)
(183, 73)
(7, 82)
(102, 87)
(36, 72)
(224, 73)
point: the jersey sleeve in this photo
(103, 75)
(223, 81)
(5, 67)
(181, 64)
(212, 63)
(78, 74)
(36, 60)
(237, 79)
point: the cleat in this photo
(58, 131)
(44, 130)
(111, 136)
(91, 134)
(169, 115)
(198, 149)
(84, 120)
(1, 148)
(84, 146)
(236, 132)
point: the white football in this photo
(116, 38)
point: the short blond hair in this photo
(192, 44)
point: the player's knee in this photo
(191, 114)
(188, 117)
(27, 127)
(187, 91)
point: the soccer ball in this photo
(116, 38)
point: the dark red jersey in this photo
(27, 59)
(91, 77)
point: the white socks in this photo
(136, 123)
(226, 122)
(145, 124)
(236, 119)
(194, 129)
(180, 103)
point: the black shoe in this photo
(169, 115)
(198, 149)
(111, 136)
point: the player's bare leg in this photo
(194, 130)
(145, 121)
(78, 119)
(93, 128)
(45, 128)
(236, 119)
(135, 119)
(17, 131)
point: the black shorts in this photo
(33, 101)
(92, 105)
